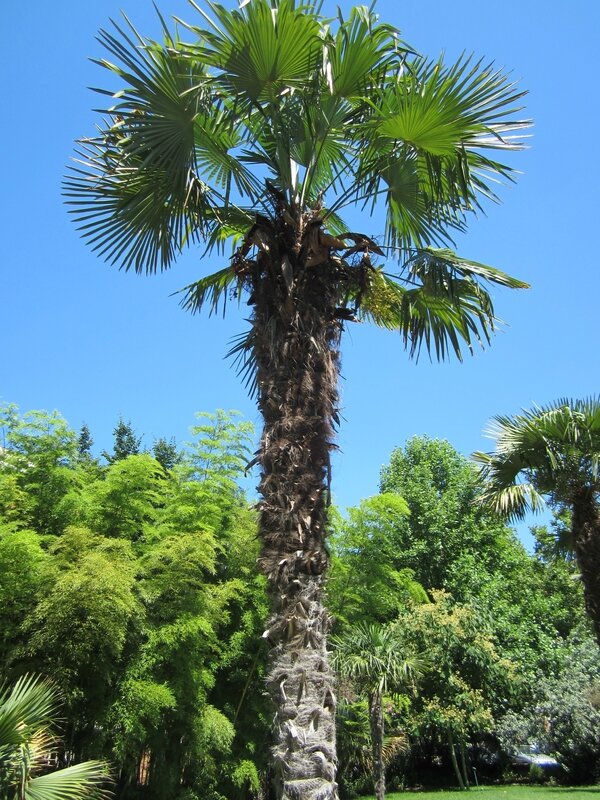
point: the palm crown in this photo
(273, 111)
(551, 451)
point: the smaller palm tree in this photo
(552, 453)
(27, 714)
(374, 659)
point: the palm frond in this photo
(548, 451)
(163, 159)
(244, 360)
(211, 290)
(361, 53)
(86, 781)
(421, 145)
(263, 51)
(27, 711)
(24, 708)
(446, 308)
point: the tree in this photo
(126, 442)
(365, 583)
(37, 459)
(377, 662)
(259, 131)
(27, 713)
(446, 539)
(85, 442)
(166, 453)
(563, 717)
(552, 452)
(464, 676)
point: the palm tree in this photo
(374, 659)
(552, 452)
(27, 712)
(260, 130)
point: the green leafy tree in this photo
(145, 606)
(37, 467)
(366, 583)
(85, 442)
(126, 443)
(79, 632)
(377, 662)
(260, 130)
(165, 451)
(464, 678)
(552, 452)
(28, 712)
(25, 574)
(126, 503)
(563, 718)
(445, 538)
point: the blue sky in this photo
(95, 343)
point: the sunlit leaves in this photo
(360, 53)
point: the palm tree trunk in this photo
(463, 763)
(454, 760)
(377, 732)
(295, 343)
(585, 526)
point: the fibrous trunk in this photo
(295, 343)
(377, 732)
(586, 536)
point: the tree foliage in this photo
(143, 604)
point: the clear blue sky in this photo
(94, 343)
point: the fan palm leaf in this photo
(27, 712)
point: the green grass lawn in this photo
(501, 792)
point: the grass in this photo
(503, 793)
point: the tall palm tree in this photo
(27, 713)
(552, 452)
(373, 657)
(260, 130)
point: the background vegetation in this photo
(130, 581)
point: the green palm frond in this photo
(446, 308)
(27, 711)
(504, 490)
(262, 49)
(360, 53)
(421, 146)
(549, 451)
(86, 781)
(24, 708)
(437, 109)
(211, 290)
(132, 215)
(244, 359)
(452, 264)
(136, 193)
